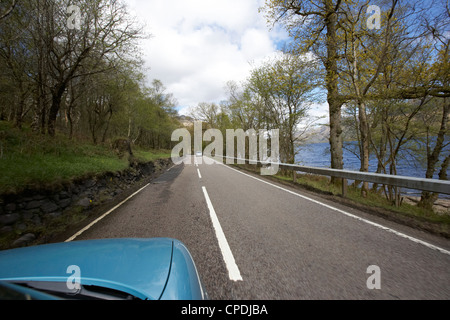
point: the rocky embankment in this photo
(33, 209)
(441, 206)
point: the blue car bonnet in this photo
(140, 267)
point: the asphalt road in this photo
(254, 239)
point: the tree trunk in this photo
(105, 132)
(363, 124)
(54, 109)
(364, 131)
(335, 105)
(427, 199)
(381, 154)
(19, 112)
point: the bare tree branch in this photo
(9, 10)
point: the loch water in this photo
(318, 155)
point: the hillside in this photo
(317, 134)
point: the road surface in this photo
(255, 239)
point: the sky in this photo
(197, 46)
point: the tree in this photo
(206, 112)
(80, 74)
(103, 39)
(314, 25)
(355, 58)
(43, 52)
(285, 87)
(365, 56)
(242, 107)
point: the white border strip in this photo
(400, 234)
(76, 235)
(233, 270)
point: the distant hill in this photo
(319, 134)
(186, 121)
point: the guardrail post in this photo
(344, 187)
(295, 176)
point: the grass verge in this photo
(374, 203)
(30, 160)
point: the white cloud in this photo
(199, 45)
(320, 110)
(256, 43)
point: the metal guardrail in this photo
(423, 184)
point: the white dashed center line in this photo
(233, 270)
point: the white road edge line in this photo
(233, 270)
(400, 234)
(199, 174)
(76, 235)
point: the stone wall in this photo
(21, 214)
